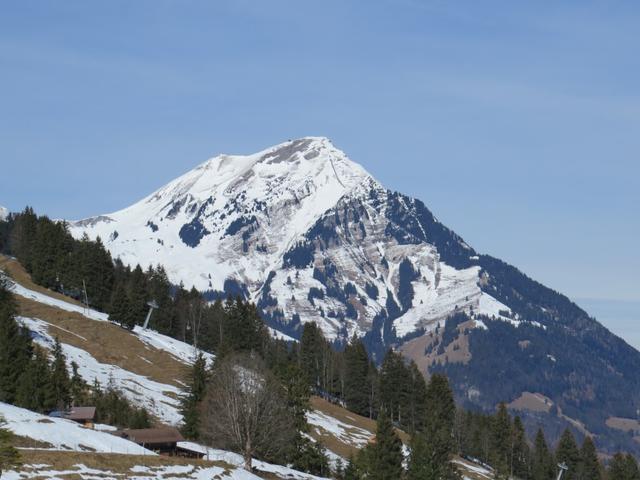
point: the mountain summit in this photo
(305, 232)
(310, 236)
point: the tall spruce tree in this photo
(356, 385)
(191, 400)
(417, 406)
(159, 289)
(589, 464)
(22, 237)
(60, 382)
(567, 452)
(311, 350)
(15, 346)
(351, 471)
(386, 454)
(35, 390)
(137, 299)
(120, 306)
(542, 463)
(78, 388)
(439, 428)
(395, 387)
(304, 454)
(623, 467)
(500, 449)
(520, 457)
(420, 465)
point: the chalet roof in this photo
(150, 436)
(81, 413)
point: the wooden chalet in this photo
(161, 440)
(82, 415)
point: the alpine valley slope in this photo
(309, 235)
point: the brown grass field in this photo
(117, 464)
(107, 342)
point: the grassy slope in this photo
(107, 342)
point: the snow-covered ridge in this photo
(4, 213)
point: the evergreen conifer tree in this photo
(119, 309)
(500, 449)
(22, 237)
(417, 407)
(194, 395)
(60, 381)
(395, 387)
(419, 460)
(15, 346)
(311, 349)
(35, 390)
(520, 453)
(77, 387)
(439, 427)
(351, 471)
(159, 289)
(137, 299)
(567, 452)
(386, 454)
(542, 463)
(623, 467)
(9, 456)
(356, 385)
(589, 463)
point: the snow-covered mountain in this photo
(309, 235)
(305, 232)
(4, 213)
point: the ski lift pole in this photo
(86, 298)
(152, 306)
(562, 468)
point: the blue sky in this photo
(518, 123)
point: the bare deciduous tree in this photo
(245, 409)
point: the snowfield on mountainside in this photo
(306, 233)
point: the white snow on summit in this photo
(4, 213)
(284, 189)
(307, 234)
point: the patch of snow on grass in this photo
(182, 351)
(64, 434)
(138, 472)
(234, 459)
(159, 398)
(346, 433)
(54, 302)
